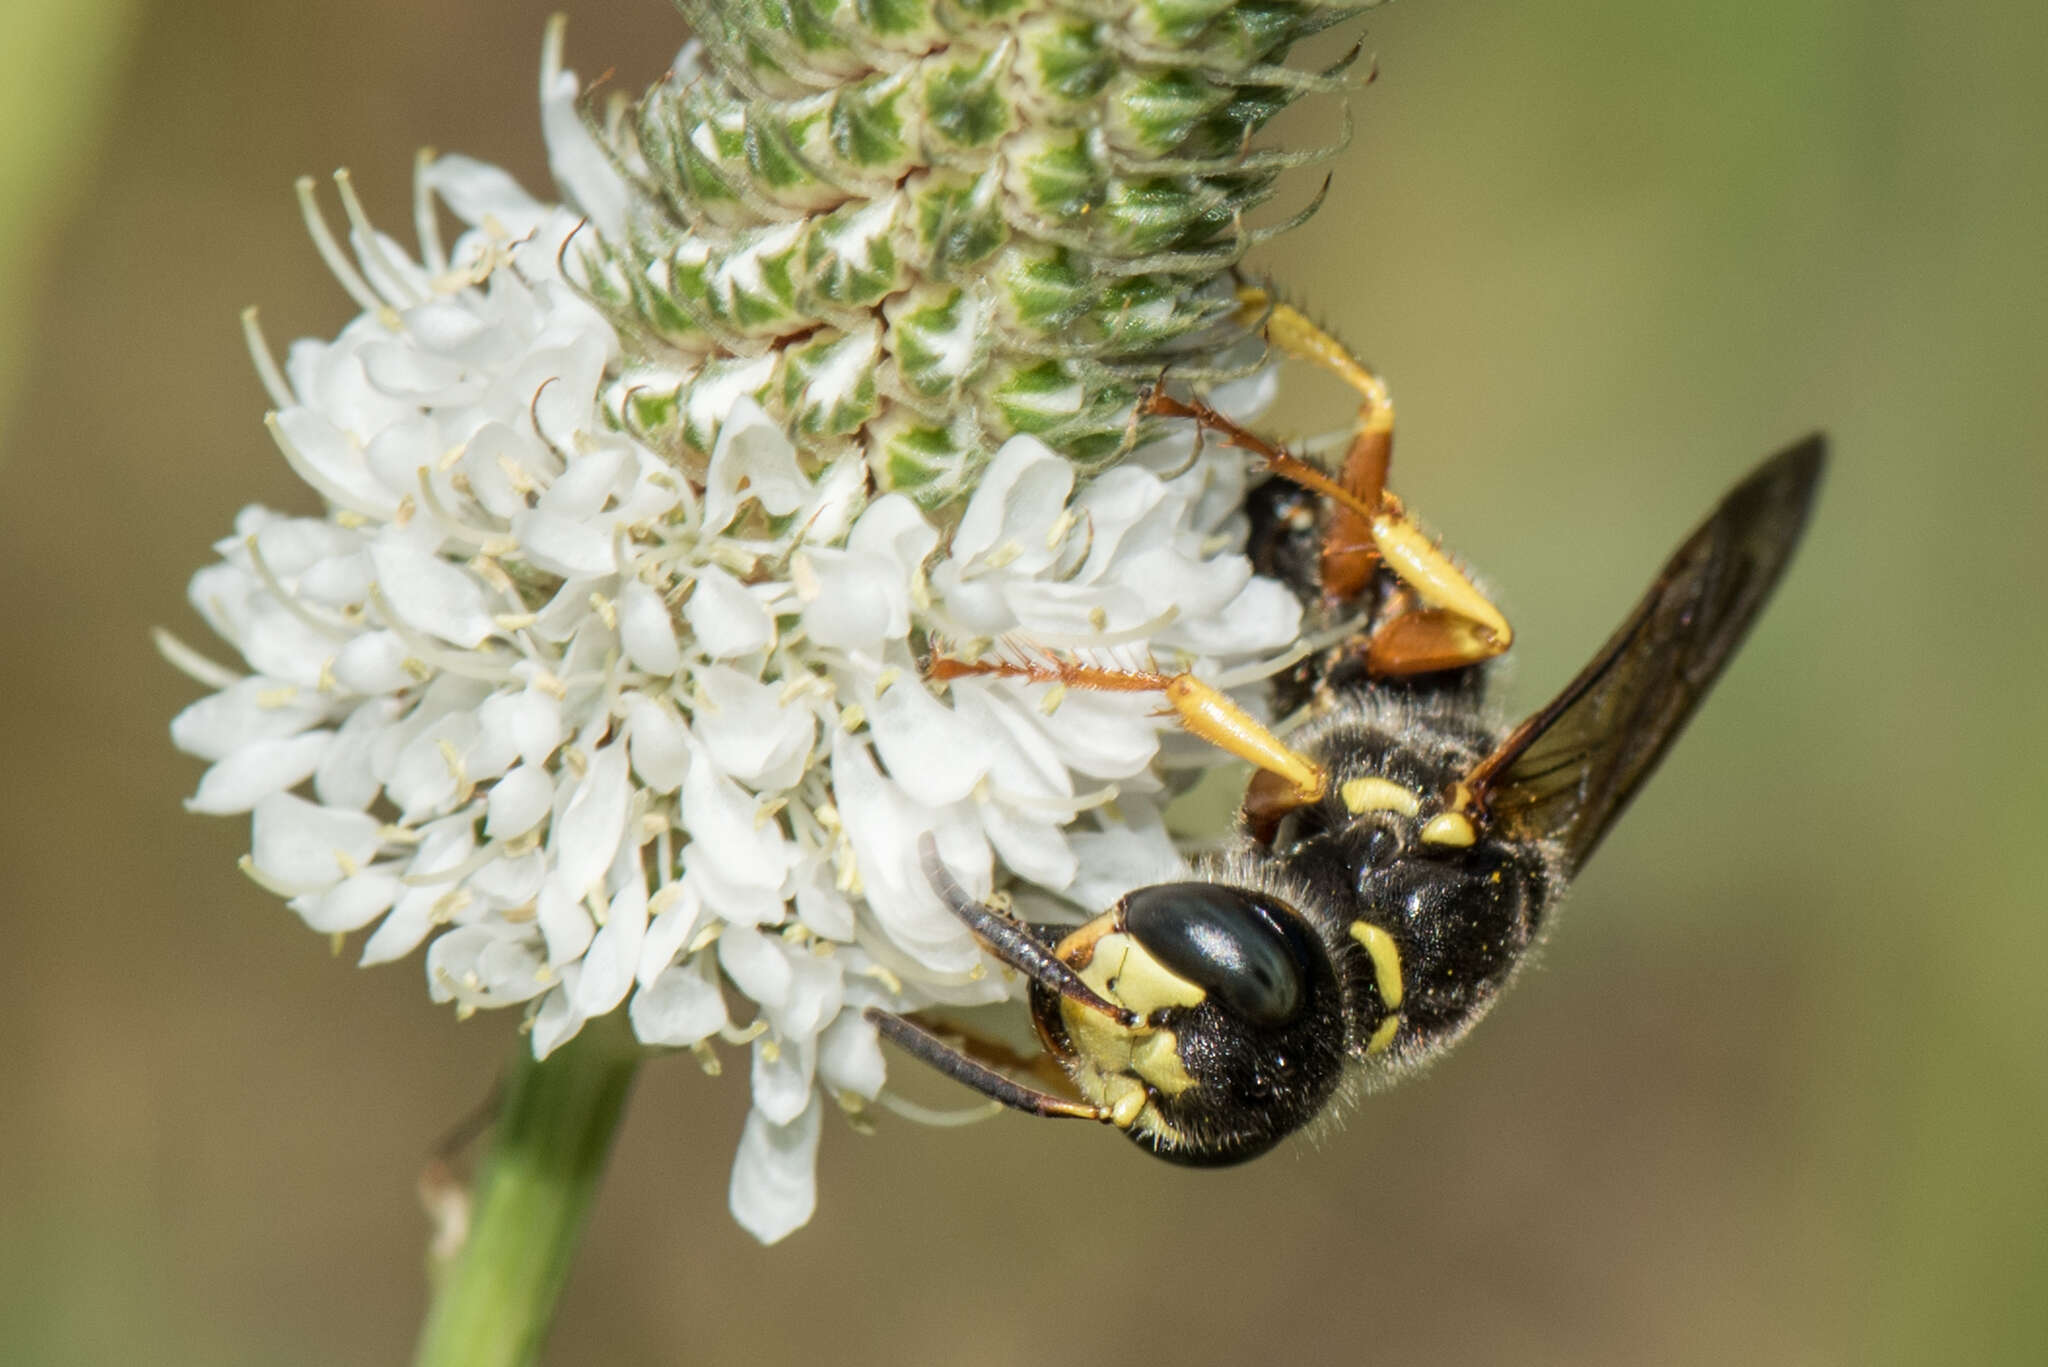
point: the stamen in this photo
(491, 666)
(286, 598)
(191, 663)
(426, 217)
(343, 269)
(488, 541)
(274, 886)
(370, 244)
(930, 1115)
(304, 469)
(747, 1034)
(274, 383)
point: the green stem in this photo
(554, 1131)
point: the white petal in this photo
(504, 883)
(582, 168)
(774, 1177)
(526, 724)
(254, 772)
(254, 709)
(564, 922)
(609, 963)
(850, 1056)
(1120, 858)
(819, 904)
(519, 801)
(476, 190)
(1019, 497)
(592, 480)
(431, 594)
(884, 827)
(858, 601)
(327, 459)
(750, 733)
(1033, 847)
(647, 632)
(935, 754)
(751, 459)
(304, 845)
(781, 1077)
(586, 836)
(373, 662)
(563, 545)
(680, 1007)
(423, 779)
(756, 965)
(726, 829)
(484, 966)
(895, 527)
(659, 743)
(401, 932)
(734, 903)
(350, 904)
(667, 933)
(278, 642)
(1263, 616)
(727, 621)
(558, 1020)
(347, 774)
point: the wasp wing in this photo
(1566, 773)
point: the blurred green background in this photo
(1778, 1091)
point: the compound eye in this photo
(1227, 941)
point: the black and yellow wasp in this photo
(1398, 856)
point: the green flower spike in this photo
(914, 228)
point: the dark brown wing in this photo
(1567, 772)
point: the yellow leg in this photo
(1368, 526)
(1202, 709)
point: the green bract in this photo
(919, 227)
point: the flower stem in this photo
(554, 1131)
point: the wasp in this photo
(1399, 855)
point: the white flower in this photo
(603, 737)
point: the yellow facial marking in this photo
(1114, 1063)
(1386, 961)
(1449, 828)
(1363, 795)
(1130, 1101)
(1121, 970)
(1383, 1037)
(1157, 1060)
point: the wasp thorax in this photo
(1237, 1010)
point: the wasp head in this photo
(1238, 1029)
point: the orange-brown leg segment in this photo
(1203, 710)
(1349, 553)
(1459, 625)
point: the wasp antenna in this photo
(1011, 942)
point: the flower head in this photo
(606, 733)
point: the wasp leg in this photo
(1349, 553)
(1011, 942)
(921, 1044)
(1467, 627)
(1203, 710)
